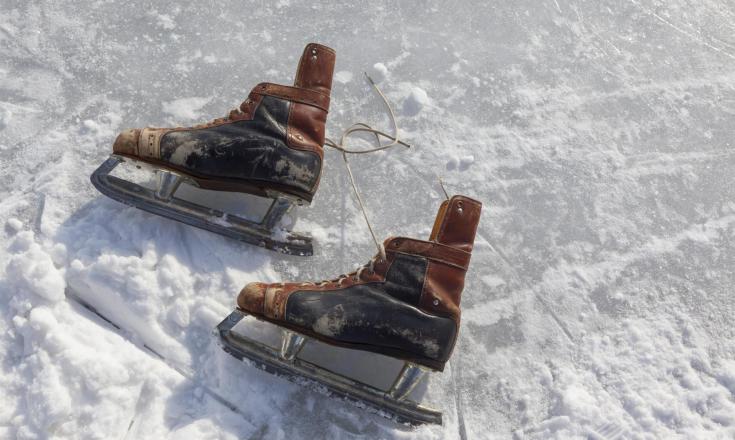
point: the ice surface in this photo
(599, 303)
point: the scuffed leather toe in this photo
(127, 142)
(252, 298)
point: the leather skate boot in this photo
(273, 141)
(271, 146)
(403, 304)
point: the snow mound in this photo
(31, 268)
(379, 72)
(416, 100)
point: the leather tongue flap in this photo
(316, 68)
(456, 222)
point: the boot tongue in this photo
(316, 68)
(456, 223)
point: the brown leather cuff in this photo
(437, 252)
(296, 94)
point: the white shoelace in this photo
(361, 127)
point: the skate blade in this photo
(320, 379)
(192, 214)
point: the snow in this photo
(379, 72)
(33, 270)
(185, 108)
(343, 76)
(5, 116)
(14, 225)
(415, 102)
(599, 300)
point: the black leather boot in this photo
(272, 142)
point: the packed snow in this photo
(599, 302)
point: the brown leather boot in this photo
(271, 143)
(403, 304)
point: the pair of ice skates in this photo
(404, 303)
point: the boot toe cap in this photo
(252, 298)
(127, 142)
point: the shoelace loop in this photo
(361, 127)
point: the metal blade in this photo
(318, 378)
(196, 215)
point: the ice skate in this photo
(404, 304)
(271, 146)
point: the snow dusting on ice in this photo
(185, 108)
(599, 302)
(343, 76)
